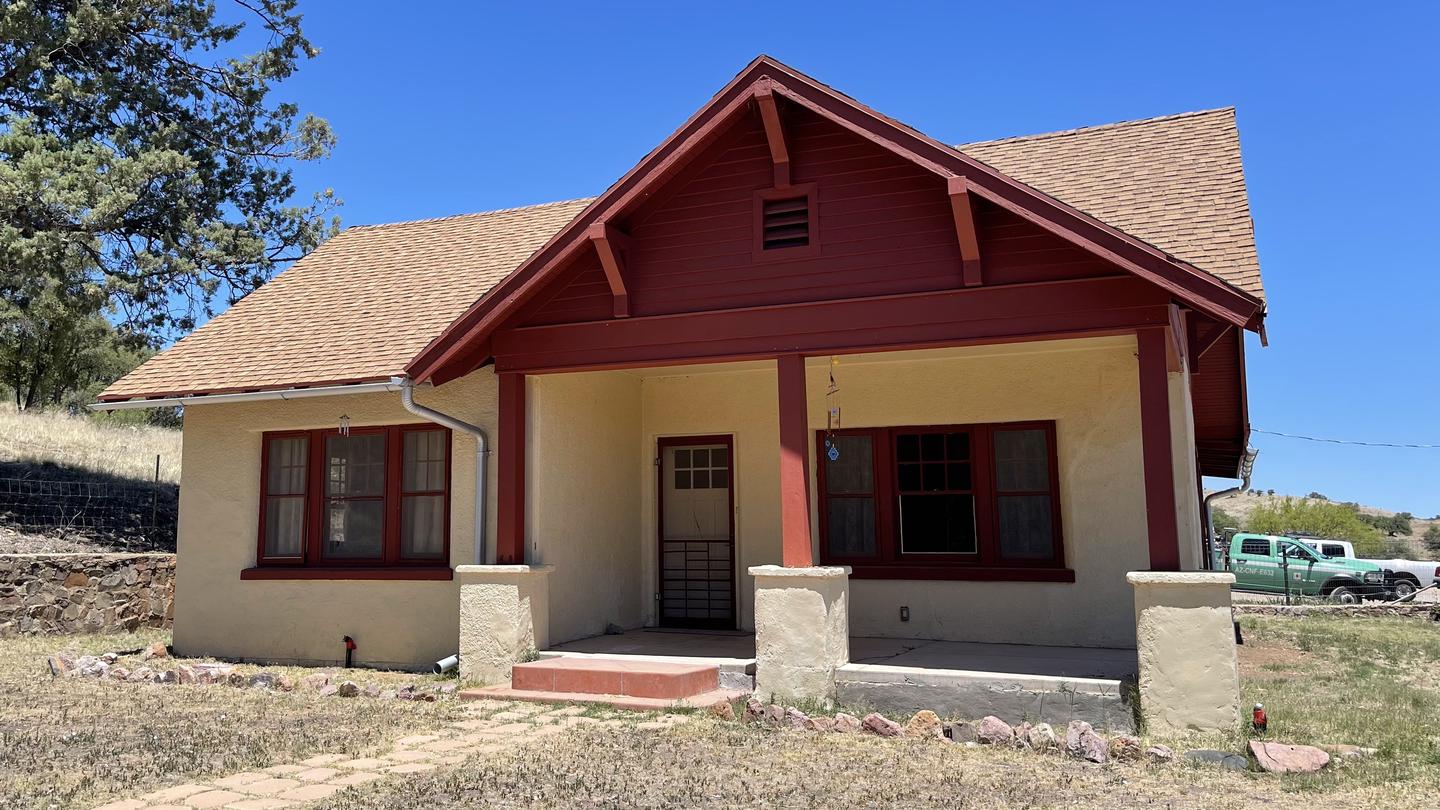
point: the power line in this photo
(1345, 441)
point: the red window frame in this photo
(987, 562)
(316, 499)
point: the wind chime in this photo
(832, 414)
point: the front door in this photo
(697, 544)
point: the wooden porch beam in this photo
(794, 463)
(510, 466)
(610, 244)
(774, 132)
(963, 209)
(1158, 463)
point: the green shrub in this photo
(1321, 518)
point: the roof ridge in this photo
(1112, 125)
(492, 212)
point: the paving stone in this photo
(323, 759)
(235, 781)
(413, 767)
(317, 774)
(356, 778)
(310, 793)
(450, 759)
(410, 756)
(269, 787)
(363, 764)
(168, 807)
(213, 798)
(569, 711)
(172, 795)
(545, 731)
(446, 745)
(420, 739)
(472, 725)
(284, 770)
(509, 717)
(508, 730)
(258, 804)
(123, 804)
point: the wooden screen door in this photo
(697, 541)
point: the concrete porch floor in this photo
(735, 652)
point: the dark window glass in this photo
(850, 526)
(937, 524)
(355, 483)
(1255, 546)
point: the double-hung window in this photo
(957, 501)
(365, 498)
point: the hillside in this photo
(1240, 505)
(76, 483)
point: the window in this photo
(1255, 546)
(702, 468)
(962, 501)
(373, 496)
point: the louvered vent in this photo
(785, 223)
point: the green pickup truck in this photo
(1272, 564)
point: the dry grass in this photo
(81, 442)
(77, 742)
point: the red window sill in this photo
(959, 572)
(348, 572)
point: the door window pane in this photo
(850, 527)
(355, 529)
(1025, 527)
(356, 465)
(422, 525)
(1022, 461)
(424, 461)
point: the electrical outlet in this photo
(904, 613)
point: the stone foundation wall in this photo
(85, 593)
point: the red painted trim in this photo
(692, 441)
(510, 483)
(348, 572)
(972, 573)
(794, 463)
(964, 213)
(265, 439)
(988, 314)
(758, 253)
(607, 240)
(1160, 506)
(487, 314)
(774, 132)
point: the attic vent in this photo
(785, 223)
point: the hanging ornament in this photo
(344, 426)
(832, 415)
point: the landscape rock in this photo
(186, 674)
(168, 676)
(1224, 759)
(236, 679)
(450, 687)
(991, 730)
(347, 689)
(92, 667)
(960, 732)
(846, 724)
(141, 674)
(261, 680)
(925, 725)
(110, 658)
(119, 673)
(1042, 737)
(1159, 754)
(156, 650)
(1282, 758)
(1082, 742)
(388, 694)
(61, 665)
(722, 710)
(794, 718)
(820, 724)
(1349, 752)
(754, 711)
(774, 715)
(329, 689)
(372, 690)
(1125, 748)
(316, 681)
(879, 724)
(212, 673)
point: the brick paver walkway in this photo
(494, 727)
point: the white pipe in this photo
(482, 452)
(248, 396)
(444, 665)
(1247, 467)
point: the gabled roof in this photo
(364, 304)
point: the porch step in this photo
(639, 704)
(599, 676)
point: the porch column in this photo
(1185, 640)
(794, 463)
(1161, 513)
(802, 631)
(510, 468)
(504, 618)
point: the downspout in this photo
(1247, 467)
(482, 453)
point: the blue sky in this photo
(452, 108)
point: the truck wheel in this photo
(1344, 596)
(1404, 589)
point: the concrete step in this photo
(602, 676)
(639, 704)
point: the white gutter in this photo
(482, 453)
(248, 396)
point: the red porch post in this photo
(510, 480)
(794, 461)
(1159, 467)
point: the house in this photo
(803, 372)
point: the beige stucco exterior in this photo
(802, 631)
(504, 618)
(591, 500)
(1189, 675)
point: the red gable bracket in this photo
(456, 351)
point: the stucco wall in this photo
(583, 509)
(394, 623)
(1090, 388)
(1187, 491)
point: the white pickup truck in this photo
(1404, 577)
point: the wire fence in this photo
(129, 515)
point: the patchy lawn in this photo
(76, 742)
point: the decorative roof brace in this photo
(610, 243)
(774, 133)
(959, 190)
